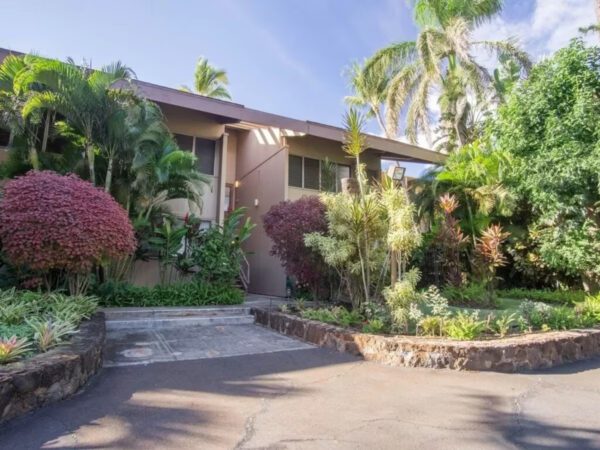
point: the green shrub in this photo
(178, 294)
(503, 324)
(433, 326)
(563, 297)
(562, 318)
(465, 327)
(472, 294)
(375, 326)
(321, 315)
(347, 318)
(589, 311)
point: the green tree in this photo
(440, 59)
(81, 95)
(15, 91)
(209, 81)
(550, 126)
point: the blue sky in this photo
(282, 56)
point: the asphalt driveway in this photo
(317, 399)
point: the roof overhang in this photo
(229, 112)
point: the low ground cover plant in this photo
(33, 322)
(429, 313)
(547, 296)
(194, 293)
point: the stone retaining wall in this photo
(513, 354)
(54, 375)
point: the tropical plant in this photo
(549, 127)
(488, 257)
(162, 172)
(465, 326)
(504, 323)
(209, 81)
(450, 242)
(81, 95)
(15, 91)
(13, 348)
(375, 326)
(286, 223)
(476, 175)
(49, 333)
(440, 58)
(167, 242)
(402, 298)
(61, 227)
(215, 255)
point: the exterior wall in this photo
(321, 149)
(192, 123)
(261, 160)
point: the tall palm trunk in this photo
(46, 130)
(89, 151)
(109, 172)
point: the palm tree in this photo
(440, 58)
(369, 92)
(15, 91)
(79, 94)
(209, 81)
(162, 172)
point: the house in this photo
(257, 159)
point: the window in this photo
(205, 152)
(185, 142)
(295, 171)
(343, 171)
(204, 149)
(312, 173)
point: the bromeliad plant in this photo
(13, 348)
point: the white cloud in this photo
(552, 25)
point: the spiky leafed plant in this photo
(488, 256)
(79, 94)
(209, 81)
(451, 241)
(13, 348)
(440, 59)
(369, 89)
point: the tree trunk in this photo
(89, 150)
(109, 171)
(11, 139)
(46, 131)
(33, 158)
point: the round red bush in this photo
(54, 222)
(286, 224)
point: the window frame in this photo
(303, 170)
(193, 149)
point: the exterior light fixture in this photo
(396, 173)
(236, 184)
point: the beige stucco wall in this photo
(261, 159)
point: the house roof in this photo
(230, 112)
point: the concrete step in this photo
(149, 318)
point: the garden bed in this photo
(47, 377)
(512, 354)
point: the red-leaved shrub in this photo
(50, 222)
(286, 224)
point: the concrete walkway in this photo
(317, 399)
